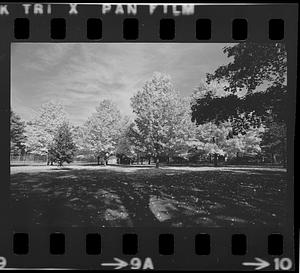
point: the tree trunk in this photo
(106, 162)
(216, 160)
(142, 161)
(98, 160)
(168, 160)
(157, 163)
(149, 160)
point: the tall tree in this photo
(42, 129)
(63, 147)
(255, 80)
(102, 130)
(162, 118)
(17, 134)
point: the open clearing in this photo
(138, 196)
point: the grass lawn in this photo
(128, 196)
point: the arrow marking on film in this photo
(260, 264)
(119, 263)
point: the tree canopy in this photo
(252, 65)
(259, 72)
(162, 118)
(102, 130)
(63, 147)
(254, 83)
(42, 129)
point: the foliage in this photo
(102, 130)
(17, 134)
(78, 136)
(253, 64)
(260, 71)
(208, 104)
(42, 129)
(248, 143)
(163, 121)
(255, 83)
(63, 147)
(126, 147)
(218, 140)
(257, 73)
(274, 141)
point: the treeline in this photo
(226, 118)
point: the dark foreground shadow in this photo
(147, 197)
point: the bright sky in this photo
(79, 75)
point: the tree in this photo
(163, 119)
(101, 131)
(260, 71)
(63, 147)
(141, 145)
(211, 103)
(17, 134)
(255, 83)
(274, 142)
(42, 129)
(246, 143)
(217, 140)
(252, 65)
(126, 151)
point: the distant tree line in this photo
(236, 112)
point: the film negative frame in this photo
(184, 256)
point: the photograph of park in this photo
(148, 134)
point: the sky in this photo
(80, 75)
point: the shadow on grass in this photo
(111, 196)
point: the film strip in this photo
(194, 171)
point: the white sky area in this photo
(80, 75)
